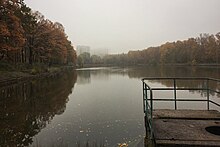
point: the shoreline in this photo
(13, 77)
(142, 65)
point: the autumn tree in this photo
(85, 57)
(167, 53)
(204, 49)
(95, 59)
(71, 53)
(11, 31)
(50, 43)
(28, 23)
(218, 48)
(27, 37)
(152, 55)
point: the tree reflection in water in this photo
(26, 108)
(180, 71)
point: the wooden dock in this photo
(185, 127)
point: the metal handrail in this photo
(148, 96)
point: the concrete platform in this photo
(185, 127)
(186, 114)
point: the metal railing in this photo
(148, 96)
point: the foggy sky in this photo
(123, 25)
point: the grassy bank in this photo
(10, 74)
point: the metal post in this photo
(146, 125)
(207, 87)
(146, 101)
(143, 96)
(151, 113)
(145, 108)
(174, 86)
(151, 102)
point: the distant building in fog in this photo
(100, 52)
(82, 49)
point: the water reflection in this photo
(174, 71)
(28, 107)
(105, 108)
(85, 75)
(181, 71)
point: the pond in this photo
(98, 106)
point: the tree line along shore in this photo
(32, 44)
(202, 50)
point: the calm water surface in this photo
(94, 105)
